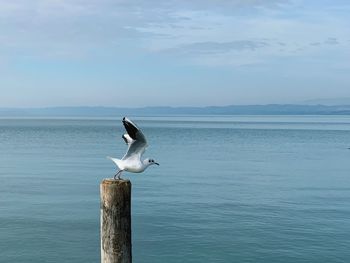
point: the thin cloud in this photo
(331, 41)
(198, 27)
(218, 47)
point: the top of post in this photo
(111, 181)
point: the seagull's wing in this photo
(135, 139)
(126, 137)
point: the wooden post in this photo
(115, 221)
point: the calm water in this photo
(229, 189)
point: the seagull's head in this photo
(149, 162)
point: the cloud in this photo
(75, 28)
(211, 47)
(66, 20)
(315, 44)
(70, 27)
(331, 41)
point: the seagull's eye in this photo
(149, 161)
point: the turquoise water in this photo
(229, 189)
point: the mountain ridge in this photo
(102, 111)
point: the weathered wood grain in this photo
(115, 221)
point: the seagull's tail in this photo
(116, 161)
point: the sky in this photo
(135, 53)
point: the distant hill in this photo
(271, 109)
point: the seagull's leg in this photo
(118, 174)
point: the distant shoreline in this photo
(110, 112)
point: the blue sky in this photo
(126, 53)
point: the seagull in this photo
(137, 144)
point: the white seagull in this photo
(137, 144)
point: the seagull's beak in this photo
(157, 164)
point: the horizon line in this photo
(163, 106)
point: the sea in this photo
(228, 189)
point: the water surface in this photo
(229, 189)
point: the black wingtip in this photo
(130, 128)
